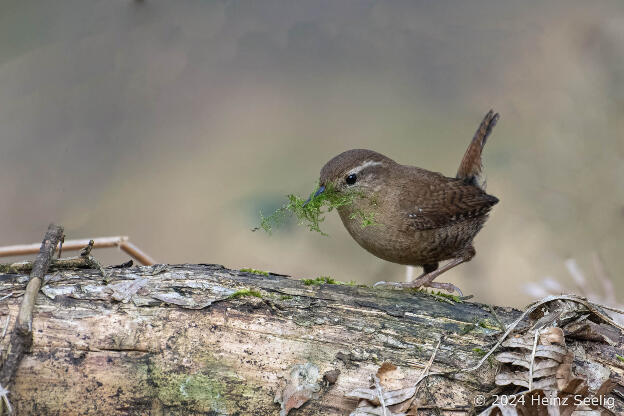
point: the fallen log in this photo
(204, 339)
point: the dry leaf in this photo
(593, 332)
(549, 358)
(302, 383)
(391, 397)
(556, 390)
(396, 397)
(373, 411)
(552, 335)
(390, 376)
(364, 394)
(564, 372)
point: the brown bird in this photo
(421, 218)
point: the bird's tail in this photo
(470, 167)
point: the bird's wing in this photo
(443, 203)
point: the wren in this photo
(421, 217)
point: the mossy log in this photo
(203, 339)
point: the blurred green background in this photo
(177, 122)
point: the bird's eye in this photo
(351, 179)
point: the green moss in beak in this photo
(311, 212)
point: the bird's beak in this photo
(317, 193)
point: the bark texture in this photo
(203, 339)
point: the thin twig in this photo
(380, 394)
(594, 308)
(425, 370)
(21, 337)
(60, 249)
(85, 253)
(136, 253)
(97, 265)
(612, 309)
(85, 260)
(72, 245)
(67, 263)
(537, 331)
(6, 326)
(87, 249)
(4, 394)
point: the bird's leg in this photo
(409, 281)
(432, 271)
(426, 280)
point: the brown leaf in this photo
(593, 332)
(386, 367)
(606, 387)
(552, 335)
(564, 372)
(390, 377)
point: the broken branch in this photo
(21, 338)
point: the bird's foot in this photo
(449, 287)
(395, 285)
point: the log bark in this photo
(203, 339)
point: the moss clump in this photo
(480, 351)
(321, 280)
(311, 212)
(438, 295)
(245, 292)
(326, 280)
(466, 329)
(486, 324)
(207, 389)
(454, 298)
(255, 271)
(286, 297)
(198, 391)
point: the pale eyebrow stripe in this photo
(365, 165)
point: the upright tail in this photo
(470, 167)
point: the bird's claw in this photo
(388, 284)
(449, 287)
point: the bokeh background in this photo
(175, 123)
